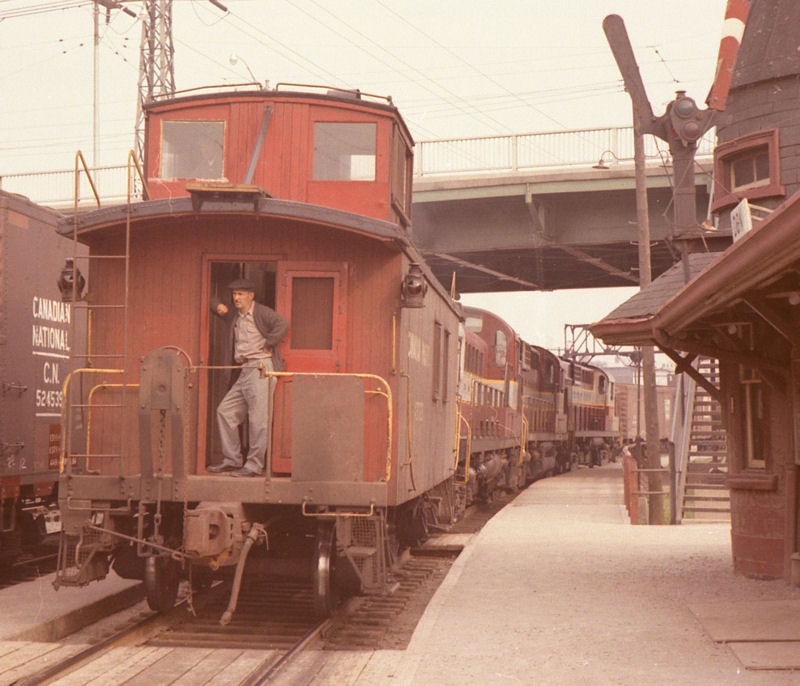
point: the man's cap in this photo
(242, 285)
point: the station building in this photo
(742, 306)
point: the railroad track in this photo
(273, 623)
(186, 647)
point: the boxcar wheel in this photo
(324, 572)
(161, 583)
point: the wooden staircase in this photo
(704, 496)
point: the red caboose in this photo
(307, 195)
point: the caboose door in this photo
(312, 296)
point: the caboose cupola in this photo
(336, 149)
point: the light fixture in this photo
(71, 282)
(234, 59)
(606, 158)
(413, 287)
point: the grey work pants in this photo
(250, 397)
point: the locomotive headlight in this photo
(71, 282)
(413, 287)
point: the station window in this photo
(753, 442)
(750, 169)
(192, 149)
(344, 151)
(747, 167)
(445, 364)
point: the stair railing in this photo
(680, 436)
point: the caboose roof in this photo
(147, 213)
(316, 94)
(109, 218)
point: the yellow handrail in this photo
(66, 433)
(469, 448)
(79, 158)
(89, 398)
(524, 439)
(386, 393)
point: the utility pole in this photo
(655, 499)
(156, 66)
(681, 126)
(156, 53)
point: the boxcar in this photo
(307, 193)
(36, 330)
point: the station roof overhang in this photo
(758, 277)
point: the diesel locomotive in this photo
(525, 413)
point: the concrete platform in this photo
(560, 589)
(35, 611)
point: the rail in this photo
(481, 154)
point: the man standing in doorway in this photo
(254, 333)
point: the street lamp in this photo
(607, 157)
(234, 59)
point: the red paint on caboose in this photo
(333, 151)
(364, 420)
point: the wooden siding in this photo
(169, 295)
(285, 165)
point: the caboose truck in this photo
(362, 457)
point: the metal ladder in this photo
(95, 371)
(88, 382)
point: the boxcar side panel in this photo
(35, 339)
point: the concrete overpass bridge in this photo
(534, 211)
(514, 212)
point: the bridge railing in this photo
(482, 154)
(56, 188)
(550, 149)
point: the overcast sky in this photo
(453, 68)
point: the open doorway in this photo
(223, 272)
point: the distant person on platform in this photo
(254, 333)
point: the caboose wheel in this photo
(161, 583)
(324, 573)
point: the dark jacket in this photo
(271, 325)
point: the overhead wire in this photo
(42, 8)
(470, 65)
